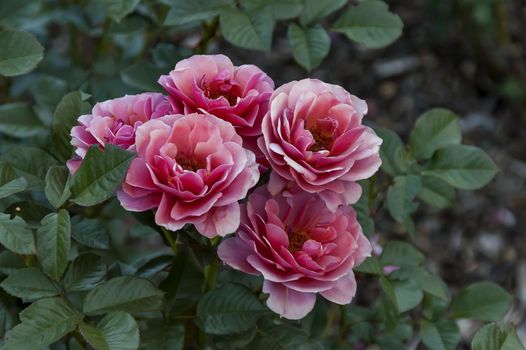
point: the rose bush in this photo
(207, 207)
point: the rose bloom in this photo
(313, 137)
(115, 122)
(300, 247)
(211, 83)
(193, 170)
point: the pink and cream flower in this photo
(236, 94)
(313, 136)
(115, 122)
(193, 170)
(300, 247)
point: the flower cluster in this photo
(202, 147)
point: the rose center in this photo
(187, 163)
(322, 140)
(225, 88)
(296, 239)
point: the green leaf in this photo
(433, 308)
(15, 235)
(168, 55)
(53, 243)
(433, 130)
(29, 283)
(401, 195)
(90, 232)
(362, 211)
(281, 9)
(389, 291)
(314, 10)
(18, 120)
(57, 187)
(237, 340)
(184, 284)
(370, 23)
(7, 319)
(99, 175)
(29, 162)
(116, 331)
(163, 335)
(370, 265)
(43, 323)
(68, 110)
(396, 338)
(400, 253)
(229, 309)
(249, 29)
(13, 10)
(393, 153)
(309, 45)
(440, 335)
(20, 52)
(408, 295)
(485, 301)
(48, 91)
(183, 12)
(388, 311)
(436, 192)
(126, 293)
(462, 166)
(10, 183)
(429, 283)
(280, 337)
(86, 271)
(495, 336)
(118, 9)
(143, 75)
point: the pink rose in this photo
(115, 122)
(300, 247)
(213, 84)
(313, 136)
(193, 170)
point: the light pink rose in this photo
(300, 247)
(211, 83)
(115, 122)
(313, 136)
(193, 170)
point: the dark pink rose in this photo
(313, 137)
(300, 247)
(193, 170)
(115, 122)
(211, 83)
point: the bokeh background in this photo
(465, 55)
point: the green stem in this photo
(168, 236)
(332, 317)
(210, 284)
(211, 275)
